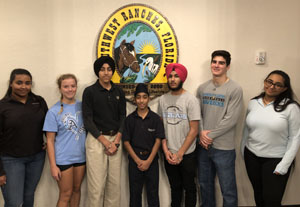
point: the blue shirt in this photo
(70, 132)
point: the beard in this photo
(177, 88)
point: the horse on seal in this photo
(125, 57)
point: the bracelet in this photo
(179, 159)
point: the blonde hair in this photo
(59, 81)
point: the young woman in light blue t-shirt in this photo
(66, 142)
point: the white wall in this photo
(54, 37)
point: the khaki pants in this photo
(103, 174)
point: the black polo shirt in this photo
(21, 126)
(102, 109)
(142, 133)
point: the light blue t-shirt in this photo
(70, 132)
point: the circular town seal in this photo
(142, 43)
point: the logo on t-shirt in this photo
(174, 115)
(71, 124)
(213, 99)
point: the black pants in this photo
(182, 177)
(268, 187)
(137, 179)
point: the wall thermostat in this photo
(260, 57)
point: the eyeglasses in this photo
(270, 83)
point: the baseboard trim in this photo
(298, 205)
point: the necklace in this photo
(265, 101)
(219, 84)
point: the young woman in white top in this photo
(271, 139)
(66, 142)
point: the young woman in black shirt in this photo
(22, 156)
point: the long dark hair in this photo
(286, 97)
(17, 71)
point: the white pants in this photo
(103, 174)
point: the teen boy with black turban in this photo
(104, 110)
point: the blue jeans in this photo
(214, 162)
(22, 177)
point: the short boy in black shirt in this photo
(142, 134)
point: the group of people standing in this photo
(88, 136)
